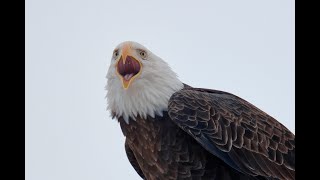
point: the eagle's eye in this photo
(143, 54)
(115, 53)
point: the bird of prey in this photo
(175, 131)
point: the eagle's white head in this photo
(139, 82)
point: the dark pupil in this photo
(142, 53)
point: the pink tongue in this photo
(128, 76)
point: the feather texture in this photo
(160, 150)
(242, 135)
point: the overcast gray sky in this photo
(243, 47)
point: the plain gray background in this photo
(243, 47)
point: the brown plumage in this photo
(209, 134)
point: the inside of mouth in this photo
(127, 77)
(130, 68)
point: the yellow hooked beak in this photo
(127, 66)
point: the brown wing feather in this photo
(235, 131)
(133, 161)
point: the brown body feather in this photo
(160, 150)
(208, 134)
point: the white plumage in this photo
(149, 93)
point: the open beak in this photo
(128, 67)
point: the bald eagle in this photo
(175, 131)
